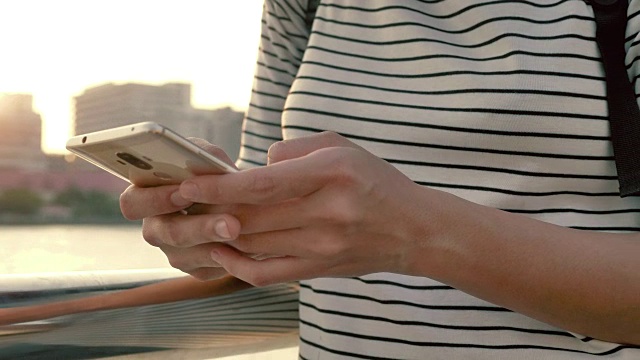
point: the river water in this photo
(60, 248)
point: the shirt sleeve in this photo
(286, 25)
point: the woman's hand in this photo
(161, 207)
(323, 207)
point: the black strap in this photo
(624, 114)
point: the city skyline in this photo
(68, 46)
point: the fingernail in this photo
(178, 200)
(190, 190)
(222, 229)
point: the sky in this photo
(56, 49)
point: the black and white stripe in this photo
(499, 102)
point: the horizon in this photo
(60, 63)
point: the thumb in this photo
(299, 147)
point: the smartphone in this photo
(146, 154)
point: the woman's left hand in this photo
(323, 207)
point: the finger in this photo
(199, 209)
(274, 183)
(284, 215)
(298, 147)
(213, 150)
(205, 274)
(184, 231)
(137, 203)
(190, 259)
(264, 272)
(280, 243)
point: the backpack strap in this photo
(624, 114)
(312, 7)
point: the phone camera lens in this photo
(133, 160)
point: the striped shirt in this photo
(499, 102)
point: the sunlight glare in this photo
(56, 49)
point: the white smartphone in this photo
(146, 154)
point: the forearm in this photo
(582, 281)
(184, 288)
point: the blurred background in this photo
(76, 66)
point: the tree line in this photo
(82, 205)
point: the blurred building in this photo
(21, 134)
(112, 105)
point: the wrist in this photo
(444, 238)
